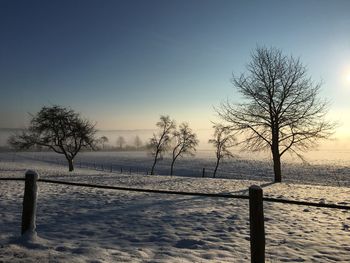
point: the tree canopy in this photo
(281, 109)
(159, 143)
(59, 129)
(223, 140)
(185, 142)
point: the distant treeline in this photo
(126, 148)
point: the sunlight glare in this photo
(346, 76)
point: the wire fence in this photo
(214, 195)
(139, 163)
(255, 197)
(184, 167)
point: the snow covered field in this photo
(77, 224)
(324, 168)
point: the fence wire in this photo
(213, 195)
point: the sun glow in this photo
(346, 76)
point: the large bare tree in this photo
(59, 129)
(281, 110)
(159, 143)
(185, 142)
(223, 140)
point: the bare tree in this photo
(281, 111)
(103, 140)
(159, 143)
(137, 142)
(185, 142)
(120, 142)
(223, 140)
(60, 129)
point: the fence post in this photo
(203, 172)
(111, 168)
(256, 219)
(29, 203)
(121, 170)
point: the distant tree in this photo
(159, 143)
(121, 142)
(281, 111)
(185, 142)
(137, 142)
(60, 129)
(103, 140)
(222, 140)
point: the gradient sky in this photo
(123, 63)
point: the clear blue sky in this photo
(123, 63)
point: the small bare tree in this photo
(223, 140)
(120, 142)
(281, 111)
(185, 142)
(60, 129)
(137, 142)
(103, 140)
(159, 143)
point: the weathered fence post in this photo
(256, 219)
(203, 172)
(29, 203)
(111, 168)
(121, 170)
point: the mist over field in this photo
(334, 151)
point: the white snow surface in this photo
(79, 224)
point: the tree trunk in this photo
(277, 166)
(70, 165)
(154, 164)
(172, 167)
(276, 153)
(216, 167)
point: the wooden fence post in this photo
(203, 172)
(29, 203)
(121, 170)
(256, 219)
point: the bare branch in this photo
(281, 111)
(58, 129)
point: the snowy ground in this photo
(323, 168)
(77, 224)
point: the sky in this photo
(124, 63)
